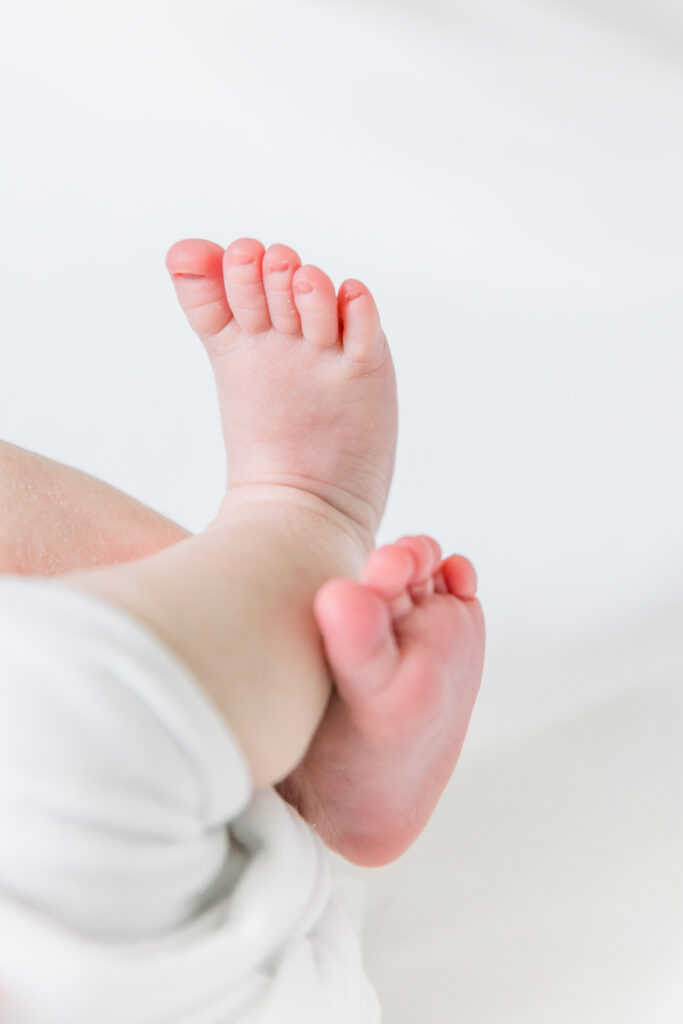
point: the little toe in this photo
(196, 269)
(359, 639)
(316, 301)
(244, 285)
(460, 577)
(363, 338)
(280, 263)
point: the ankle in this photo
(319, 525)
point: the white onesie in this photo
(142, 881)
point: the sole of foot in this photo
(405, 647)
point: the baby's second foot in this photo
(406, 649)
(305, 378)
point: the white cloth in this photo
(141, 879)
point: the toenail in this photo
(303, 287)
(279, 266)
(352, 293)
(241, 258)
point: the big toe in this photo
(196, 269)
(360, 644)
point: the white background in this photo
(505, 175)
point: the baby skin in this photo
(308, 404)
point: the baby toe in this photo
(426, 553)
(363, 338)
(196, 269)
(280, 263)
(388, 571)
(460, 577)
(242, 267)
(359, 642)
(316, 302)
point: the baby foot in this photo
(406, 649)
(304, 376)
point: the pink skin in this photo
(294, 363)
(406, 649)
(308, 400)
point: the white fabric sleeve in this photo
(116, 775)
(141, 879)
